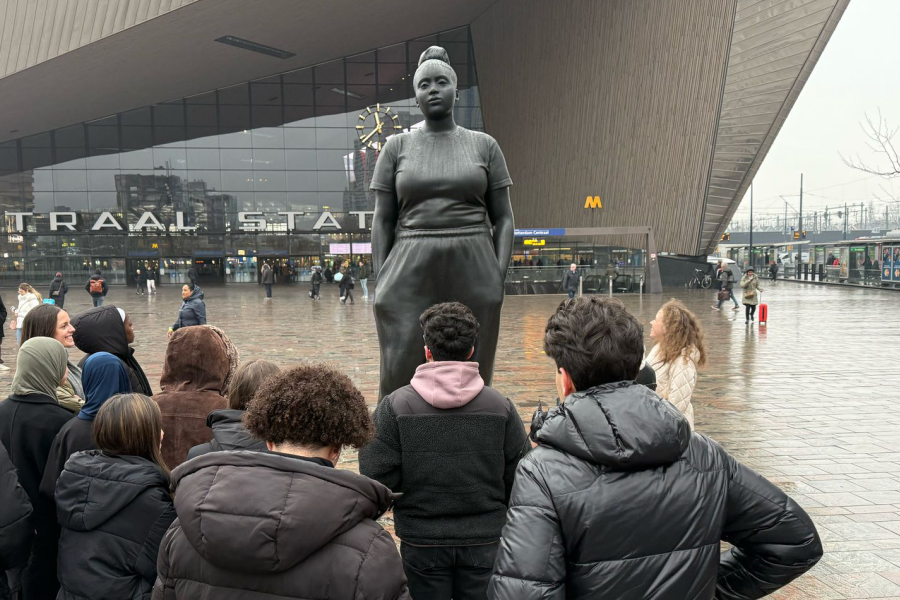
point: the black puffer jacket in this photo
(101, 329)
(620, 500)
(16, 523)
(264, 525)
(114, 510)
(228, 434)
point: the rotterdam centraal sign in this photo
(147, 221)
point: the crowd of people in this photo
(224, 484)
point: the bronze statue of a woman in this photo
(443, 227)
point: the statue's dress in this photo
(443, 250)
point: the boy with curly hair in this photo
(284, 523)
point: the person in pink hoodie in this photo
(450, 445)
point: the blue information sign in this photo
(539, 232)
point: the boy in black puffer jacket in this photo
(450, 444)
(621, 500)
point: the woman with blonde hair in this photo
(680, 349)
(29, 298)
(114, 504)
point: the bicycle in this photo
(700, 280)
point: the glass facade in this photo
(272, 169)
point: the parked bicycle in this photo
(701, 280)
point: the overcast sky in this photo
(857, 74)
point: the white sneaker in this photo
(4, 368)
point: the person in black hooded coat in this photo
(114, 506)
(109, 329)
(58, 290)
(621, 500)
(16, 522)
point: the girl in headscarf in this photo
(109, 329)
(29, 421)
(51, 321)
(103, 377)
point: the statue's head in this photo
(435, 82)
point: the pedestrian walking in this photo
(726, 284)
(284, 523)
(29, 299)
(192, 274)
(363, 275)
(29, 421)
(114, 505)
(152, 275)
(58, 290)
(48, 320)
(103, 377)
(680, 348)
(193, 308)
(110, 329)
(3, 316)
(570, 280)
(316, 283)
(448, 540)
(752, 290)
(329, 275)
(773, 270)
(199, 364)
(620, 500)
(140, 278)
(16, 524)
(97, 288)
(268, 279)
(347, 286)
(228, 431)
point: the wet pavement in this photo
(810, 401)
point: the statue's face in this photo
(435, 92)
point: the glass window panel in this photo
(109, 161)
(300, 160)
(393, 54)
(236, 158)
(170, 158)
(417, 47)
(327, 96)
(9, 158)
(69, 137)
(298, 76)
(238, 139)
(266, 116)
(201, 115)
(391, 74)
(73, 181)
(330, 72)
(237, 94)
(298, 94)
(299, 137)
(43, 202)
(302, 181)
(361, 73)
(460, 34)
(265, 94)
(272, 202)
(202, 137)
(234, 117)
(330, 160)
(168, 115)
(32, 158)
(364, 95)
(212, 179)
(42, 140)
(336, 119)
(333, 201)
(207, 98)
(269, 181)
(141, 116)
(42, 180)
(203, 158)
(299, 116)
(268, 160)
(303, 201)
(165, 135)
(139, 159)
(136, 138)
(70, 158)
(103, 200)
(103, 139)
(332, 181)
(102, 180)
(237, 181)
(365, 57)
(336, 138)
(70, 200)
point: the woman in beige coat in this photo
(680, 349)
(751, 287)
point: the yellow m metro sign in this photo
(593, 202)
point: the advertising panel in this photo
(886, 263)
(845, 261)
(895, 264)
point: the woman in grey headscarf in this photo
(29, 421)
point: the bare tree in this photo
(880, 141)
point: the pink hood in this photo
(448, 384)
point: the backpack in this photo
(96, 286)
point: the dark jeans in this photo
(445, 572)
(98, 300)
(750, 309)
(571, 294)
(268, 290)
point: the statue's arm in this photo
(501, 215)
(384, 227)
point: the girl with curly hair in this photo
(680, 349)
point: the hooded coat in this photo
(16, 521)
(104, 377)
(270, 525)
(62, 288)
(29, 421)
(228, 433)
(198, 366)
(620, 499)
(114, 511)
(192, 311)
(450, 445)
(102, 329)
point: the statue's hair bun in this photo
(435, 53)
